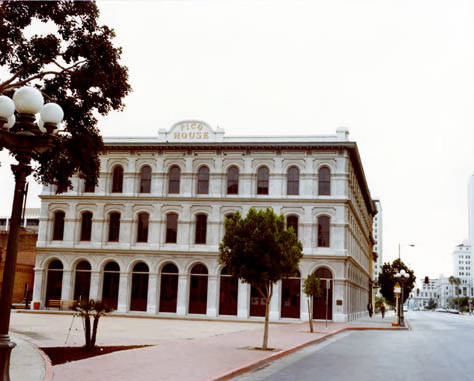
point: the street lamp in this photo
(402, 276)
(23, 137)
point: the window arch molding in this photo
(189, 267)
(161, 265)
(106, 261)
(323, 265)
(131, 265)
(47, 261)
(80, 259)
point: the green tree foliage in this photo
(88, 308)
(76, 65)
(431, 305)
(260, 251)
(312, 288)
(387, 281)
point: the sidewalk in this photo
(27, 362)
(207, 358)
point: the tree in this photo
(455, 282)
(431, 305)
(387, 281)
(312, 288)
(88, 308)
(260, 251)
(76, 66)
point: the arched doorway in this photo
(55, 281)
(169, 288)
(138, 300)
(257, 303)
(198, 290)
(229, 286)
(290, 296)
(110, 286)
(82, 282)
(319, 303)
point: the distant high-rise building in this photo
(377, 226)
(463, 267)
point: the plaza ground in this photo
(182, 349)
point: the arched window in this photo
(142, 227)
(174, 178)
(293, 181)
(323, 231)
(145, 179)
(117, 179)
(171, 228)
(322, 309)
(228, 292)
(58, 229)
(114, 226)
(292, 222)
(290, 296)
(324, 181)
(262, 180)
(86, 226)
(201, 229)
(233, 180)
(203, 180)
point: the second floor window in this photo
(114, 227)
(58, 228)
(89, 186)
(86, 226)
(142, 227)
(174, 178)
(292, 222)
(203, 180)
(293, 181)
(171, 228)
(324, 181)
(323, 231)
(233, 180)
(117, 179)
(201, 228)
(145, 179)
(262, 180)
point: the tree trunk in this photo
(94, 330)
(87, 331)
(265, 331)
(310, 315)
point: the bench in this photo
(54, 303)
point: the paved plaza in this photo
(182, 349)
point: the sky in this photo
(398, 74)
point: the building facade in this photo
(378, 236)
(146, 238)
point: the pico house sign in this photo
(189, 131)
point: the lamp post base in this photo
(6, 347)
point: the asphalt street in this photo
(438, 347)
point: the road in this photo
(439, 346)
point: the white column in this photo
(275, 303)
(211, 296)
(67, 290)
(123, 305)
(182, 292)
(38, 286)
(243, 300)
(94, 287)
(151, 305)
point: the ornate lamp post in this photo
(402, 276)
(23, 138)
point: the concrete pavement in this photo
(27, 362)
(183, 349)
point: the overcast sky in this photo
(398, 74)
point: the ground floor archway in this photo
(322, 305)
(228, 293)
(198, 290)
(54, 282)
(139, 292)
(169, 288)
(290, 296)
(110, 285)
(82, 281)
(257, 303)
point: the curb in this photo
(245, 368)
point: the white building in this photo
(146, 238)
(378, 236)
(462, 262)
